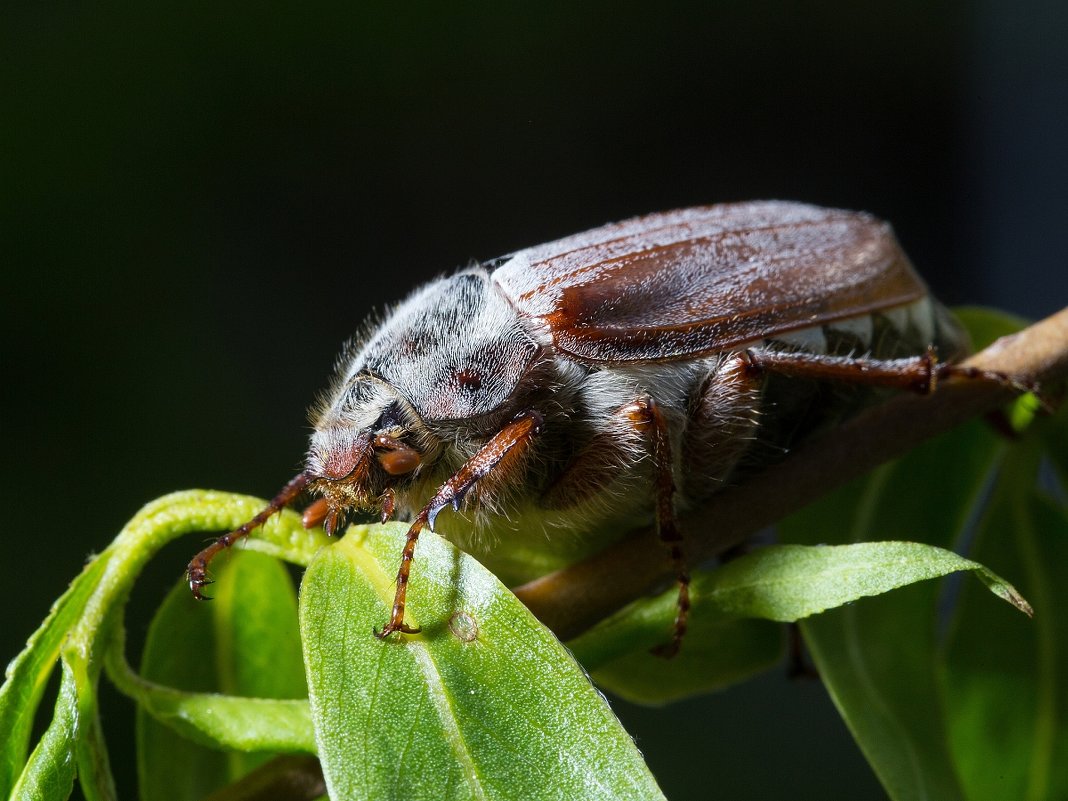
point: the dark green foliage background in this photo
(199, 204)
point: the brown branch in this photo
(571, 600)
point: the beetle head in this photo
(451, 358)
(367, 441)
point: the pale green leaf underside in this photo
(791, 582)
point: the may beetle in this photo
(607, 379)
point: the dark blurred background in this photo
(201, 202)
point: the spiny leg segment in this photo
(511, 441)
(919, 374)
(197, 572)
(647, 418)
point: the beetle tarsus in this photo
(394, 628)
(197, 572)
(197, 584)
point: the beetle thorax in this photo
(455, 350)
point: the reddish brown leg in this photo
(647, 418)
(510, 441)
(198, 568)
(917, 373)
(389, 504)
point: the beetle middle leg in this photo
(647, 418)
(635, 429)
(505, 446)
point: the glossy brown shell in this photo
(696, 281)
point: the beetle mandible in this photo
(605, 380)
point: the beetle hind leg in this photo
(919, 374)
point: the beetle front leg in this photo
(197, 572)
(503, 448)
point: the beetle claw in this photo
(391, 628)
(197, 585)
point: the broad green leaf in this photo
(257, 641)
(28, 673)
(878, 657)
(779, 583)
(719, 649)
(1005, 683)
(170, 766)
(485, 703)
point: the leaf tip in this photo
(1010, 594)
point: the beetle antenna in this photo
(197, 572)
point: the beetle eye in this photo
(390, 418)
(468, 380)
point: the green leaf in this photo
(170, 765)
(28, 673)
(791, 582)
(484, 703)
(719, 650)
(84, 622)
(879, 657)
(257, 641)
(782, 583)
(244, 643)
(228, 721)
(94, 766)
(251, 622)
(1005, 683)
(49, 773)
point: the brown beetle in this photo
(604, 380)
